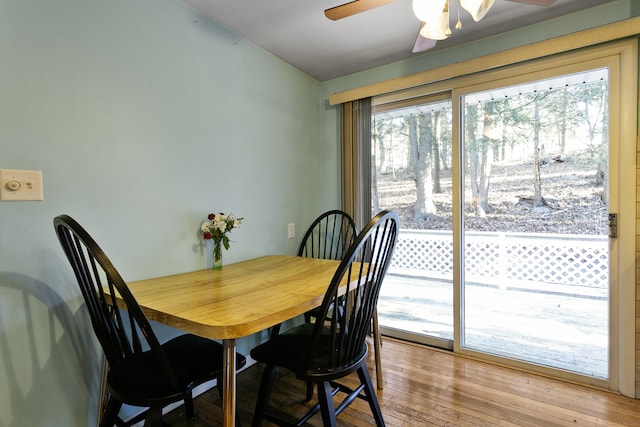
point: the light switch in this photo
(16, 185)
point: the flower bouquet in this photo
(216, 228)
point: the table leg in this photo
(229, 383)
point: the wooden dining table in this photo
(237, 301)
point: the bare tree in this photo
(480, 151)
(436, 150)
(538, 200)
(594, 98)
(420, 140)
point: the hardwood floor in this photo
(427, 387)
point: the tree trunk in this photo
(537, 186)
(562, 126)
(603, 162)
(420, 131)
(473, 152)
(486, 154)
(436, 151)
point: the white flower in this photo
(221, 225)
(217, 225)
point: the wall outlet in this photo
(292, 230)
(16, 185)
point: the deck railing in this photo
(552, 262)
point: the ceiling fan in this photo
(429, 32)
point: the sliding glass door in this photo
(508, 188)
(412, 174)
(536, 248)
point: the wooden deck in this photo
(555, 326)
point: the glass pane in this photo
(536, 258)
(412, 175)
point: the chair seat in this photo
(289, 350)
(194, 359)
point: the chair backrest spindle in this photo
(329, 236)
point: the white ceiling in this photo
(298, 32)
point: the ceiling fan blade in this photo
(422, 43)
(544, 3)
(477, 8)
(353, 8)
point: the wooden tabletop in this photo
(238, 300)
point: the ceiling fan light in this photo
(477, 8)
(428, 10)
(437, 29)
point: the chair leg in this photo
(154, 418)
(309, 392)
(188, 406)
(104, 394)
(365, 379)
(264, 393)
(219, 387)
(327, 409)
(275, 330)
(377, 342)
(110, 414)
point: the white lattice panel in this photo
(422, 251)
(504, 257)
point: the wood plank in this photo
(429, 387)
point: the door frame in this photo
(621, 59)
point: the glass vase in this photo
(217, 255)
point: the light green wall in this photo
(143, 116)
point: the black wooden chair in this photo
(334, 345)
(141, 371)
(329, 236)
